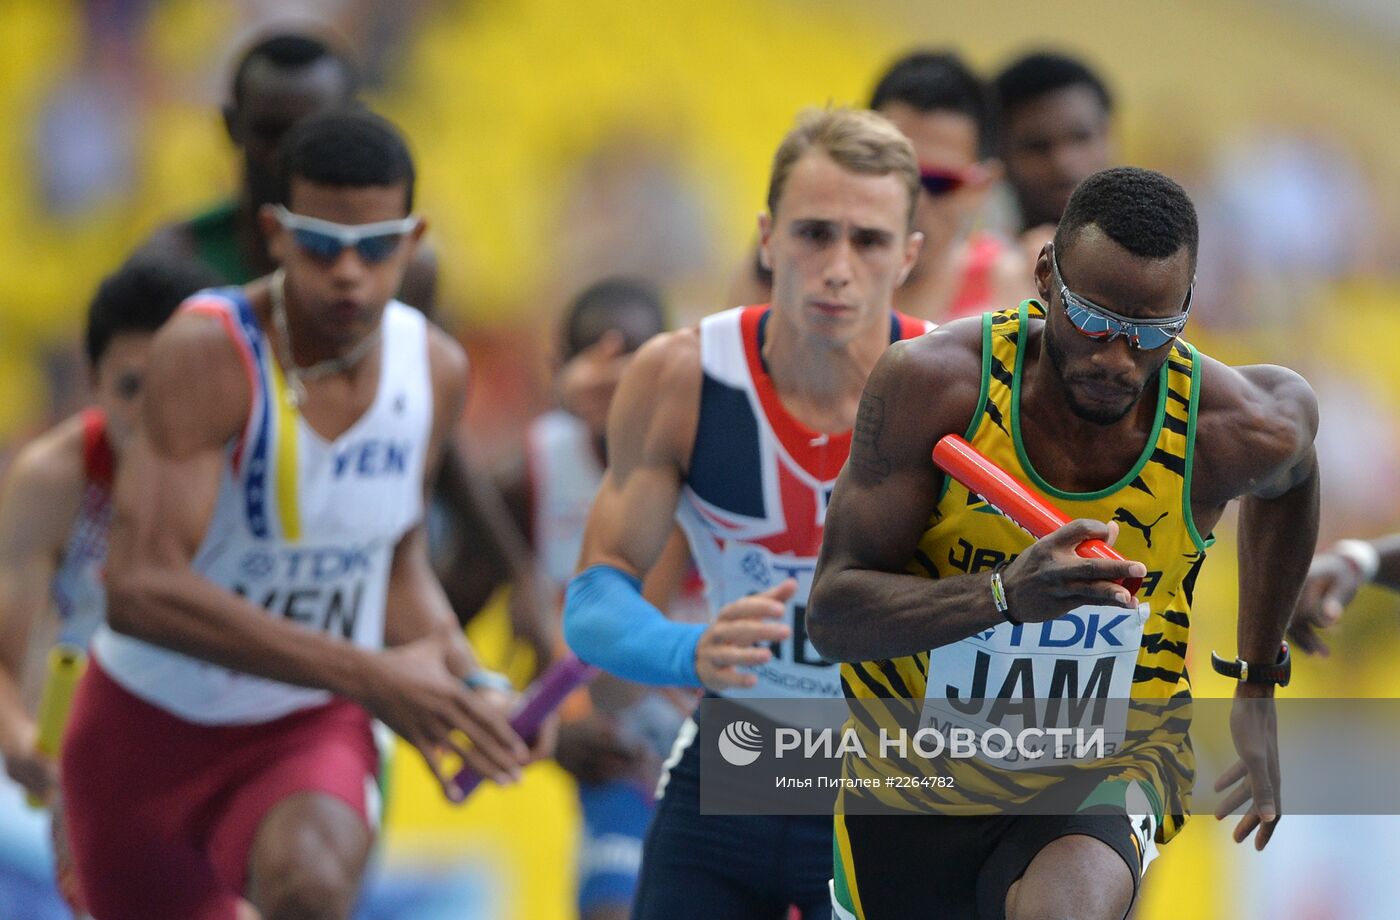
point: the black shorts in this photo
(960, 867)
(736, 867)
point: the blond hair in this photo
(857, 140)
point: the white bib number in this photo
(1038, 694)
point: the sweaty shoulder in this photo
(938, 374)
(672, 359)
(657, 406)
(921, 389)
(199, 388)
(1254, 423)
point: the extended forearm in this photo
(482, 512)
(609, 624)
(1277, 539)
(1388, 548)
(180, 610)
(418, 608)
(863, 615)
(24, 601)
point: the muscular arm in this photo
(476, 565)
(863, 606)
(197, 398)
(651, 430)
(491, 548)
(660, 588)
(1256, 440)
(38, 504)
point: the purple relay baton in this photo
(540, 699)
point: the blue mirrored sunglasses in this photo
(1103, 325)
(325, 241)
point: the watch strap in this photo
(1277, 672)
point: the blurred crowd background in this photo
(561, 142)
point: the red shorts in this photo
(162, 813)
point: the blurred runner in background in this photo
(54, 512)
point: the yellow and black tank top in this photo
(965, 535)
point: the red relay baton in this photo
(974, 469)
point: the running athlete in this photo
(1114, 418)
(1333, 580)
(1056, 125)
(278, 81)
(267, 544)
(737, 429)
(614, 748)
(947, 113)
(55, 507)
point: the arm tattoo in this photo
(865, 451)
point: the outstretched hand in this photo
(586, 383)
(738, 636)
(415, 692)
(1331, 584)
(1255, 776)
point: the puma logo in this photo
(1125, 516)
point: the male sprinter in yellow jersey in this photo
(1107, 413)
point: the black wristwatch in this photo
(1248, 673)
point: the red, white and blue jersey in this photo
(78, 589)
(754, 502)
(304, 527)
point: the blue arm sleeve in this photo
(609, 624)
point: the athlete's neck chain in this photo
(296, 375)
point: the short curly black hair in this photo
(139, 297)
(940, 81)
(347, 148)
(1043, 72)
(1143, 211)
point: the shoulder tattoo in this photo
(865, 439)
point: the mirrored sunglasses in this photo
(1103, 325)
